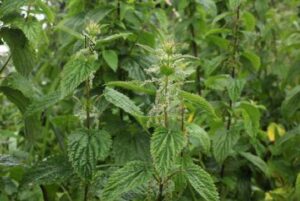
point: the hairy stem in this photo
(166, 120)
(160, 192)
(45, 193)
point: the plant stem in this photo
(45, 193)
(86, 191)
(194, 48)
(160, 192)
(166, 103)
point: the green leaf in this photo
(217, 82)
(135, 86)
(55, 169)
(235, 88)
(23, 55)
(43, 103)
(249, 21)
(46, 10)
(253, 58)
(77, 70)
(122, 101)
(291, 103)
(18, 82)
(9, 6)
(203, 104)
(251, 117)
(85, 147)
(199, 137)
(129, 177)
(256, 161)
(209, 5)
(131, 147)
(111, 38)
(111, 58)
(165, 145)
(33, 31)
(202, 182)
(223, 143)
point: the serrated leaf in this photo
(256, 161)
(223, 143)
(43, 103)
(54, 169)
(18, 82)
(85, 147)
(203, 104)
(122, 101)
(33, 31)
(251, 118)
(202, 182)
(77, 70)
(8, 6)
(165, 145)
(23, 55)
(235, 88)
(131, 147)
(199, 137)
(129, 177)
(111, 58)
(133, 86)
(291, 103)
(253, 58)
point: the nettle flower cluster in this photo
(169, 73)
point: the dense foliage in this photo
(167, 100)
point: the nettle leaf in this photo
(217, 82)
(203, 104)
(251, 117)
(9, 6)
(223, 143)
(43, 103)
(33, 31)
(235, 88)
(199, 137)
(165, 145)
(256, 161)
(134, 86)
(253, 58)
(291, 103)
(55, 169)
(111, 38)
(85, 147)
(202, 182)
(122, 101)
(23, 54)
(77, 70)
(111, 58)
(134, 174)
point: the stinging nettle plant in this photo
(97, 103)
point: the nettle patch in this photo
(149, 100)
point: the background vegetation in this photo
(181, 100)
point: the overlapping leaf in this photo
(129, 177)
(202, 182)
(85, 147)
(165, 146)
